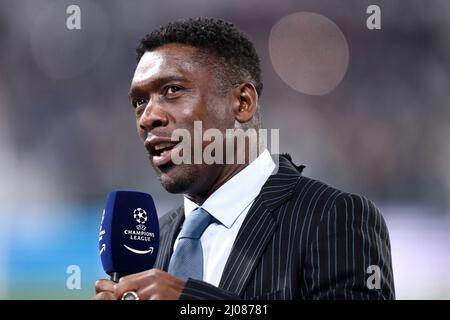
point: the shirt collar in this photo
(230, 200)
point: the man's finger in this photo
(105, 295)
(104, 285)
(127, 284)
(134, 282)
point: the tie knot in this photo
(195, 224)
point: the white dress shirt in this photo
(229, 205)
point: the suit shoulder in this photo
(319, 197)
(311, 191)
(360, 208)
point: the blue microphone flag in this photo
(129, 233)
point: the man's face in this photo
(170, 90)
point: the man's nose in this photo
(153, 117)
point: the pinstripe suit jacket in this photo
(301, 239)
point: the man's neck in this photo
(229, 172)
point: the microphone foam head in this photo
(129, 233)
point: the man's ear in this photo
(245, 102)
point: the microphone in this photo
(129, 234)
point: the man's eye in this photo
(172, 89)
(140, 102)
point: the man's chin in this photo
(175, 178)
(173, 188)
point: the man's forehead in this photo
(166, 59)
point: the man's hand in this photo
(152, 284)
(104, 290)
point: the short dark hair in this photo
(214, 36)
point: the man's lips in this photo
(160, 149)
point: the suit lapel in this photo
(258, 227)
(168, 237)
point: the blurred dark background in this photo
(68, 137)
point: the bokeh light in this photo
(309, 52)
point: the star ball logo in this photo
(140, 215)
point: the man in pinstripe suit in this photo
(273, 234)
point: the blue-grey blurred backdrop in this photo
(67, 132)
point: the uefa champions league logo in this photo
(140, 215)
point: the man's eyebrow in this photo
(153, 84)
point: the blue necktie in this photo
(187, 259)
